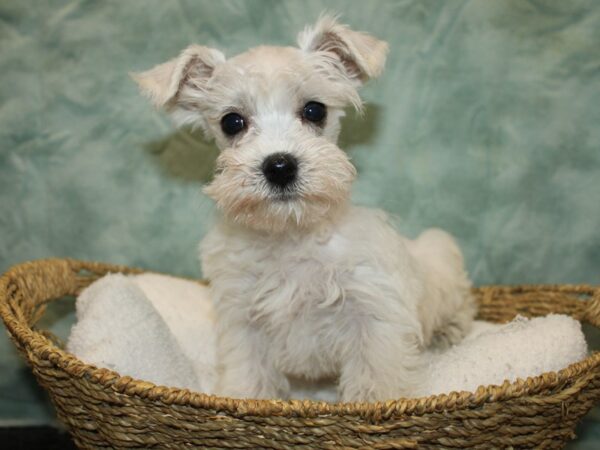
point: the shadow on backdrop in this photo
(360, 129)
(185, 155)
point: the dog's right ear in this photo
(164, 83)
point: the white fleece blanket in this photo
(160, 329)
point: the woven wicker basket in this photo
(105, 410)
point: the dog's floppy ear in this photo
(361, 56)
(193, 67)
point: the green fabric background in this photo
(486, 123)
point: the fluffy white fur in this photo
(165, 333)
(303, 283)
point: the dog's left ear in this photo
(165, 82)
(361, 55)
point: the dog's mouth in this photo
(284, 195)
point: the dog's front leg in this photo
(245, 367)
(383, 361)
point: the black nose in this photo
(280, 169)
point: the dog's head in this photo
(275, 114)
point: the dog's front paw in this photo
(243, 390)
(255, 388)
(231, 391)
(383, 373)
(381, 384)
(373, 392)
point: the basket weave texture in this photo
(103, 409)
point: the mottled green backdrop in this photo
(486, 122)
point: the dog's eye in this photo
(314, 112)
(232, 124)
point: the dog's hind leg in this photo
(448, 307)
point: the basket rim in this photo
(38, 344)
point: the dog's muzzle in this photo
(280, 169)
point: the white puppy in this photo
(303, 283)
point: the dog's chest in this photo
(301, 283)
(301, 318)
(305, 293)
(295, 293)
